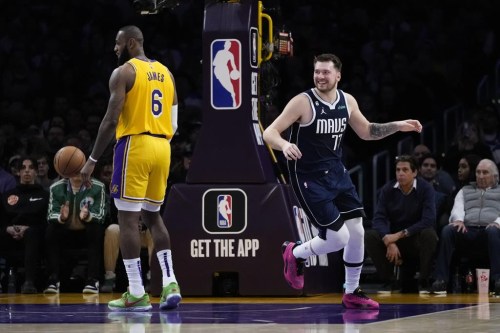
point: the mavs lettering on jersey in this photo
(225, 78)
(321, 140)
(336, 127)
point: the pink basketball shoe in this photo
(293, 267)
(358, 300)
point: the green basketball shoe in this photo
(170, 296)
(130, 303)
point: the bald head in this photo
(131, 31)
(486, 174)
(129, 43)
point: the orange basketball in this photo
(68, 161)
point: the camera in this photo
(149, 7)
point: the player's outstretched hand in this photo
(409, 125)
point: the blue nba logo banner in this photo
(224, 211)
(225, 78)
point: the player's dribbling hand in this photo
(291, 151)
(86, 172)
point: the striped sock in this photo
(167, 269)
(133, 268)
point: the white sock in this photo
(335, 240)
(303, 251)
(354, 253)
(352, 275)
(167, 268)
(134, 274)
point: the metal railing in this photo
(381, 167)
(452, 118)
(483, 92)
(428, 136)
(405, 146)
(357, 174)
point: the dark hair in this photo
(473, 160)
(429, 155)
(407, 158)
(20, 161)
(326, 57)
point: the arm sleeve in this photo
(174, 117)
(55, 203)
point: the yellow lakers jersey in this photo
(148, 104)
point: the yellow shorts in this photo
(140, 169)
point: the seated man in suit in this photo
(403, 227)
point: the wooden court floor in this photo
(306, 314)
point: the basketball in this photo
(68, 161)
(235, 74)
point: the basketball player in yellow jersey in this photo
(142, 111)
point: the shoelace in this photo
(360, 293)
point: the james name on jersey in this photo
(155, 76)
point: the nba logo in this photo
(225, 78)
(224, 211)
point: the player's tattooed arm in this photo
(379, 131)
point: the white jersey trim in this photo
(312, 111)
